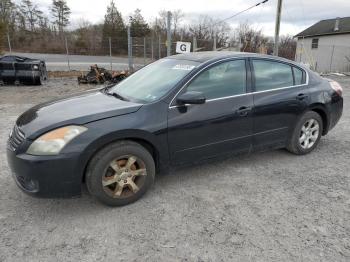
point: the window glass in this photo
(155, 80)
(314, 43)
(271, 75)
(225, 79)
(8, 59)
(298, 76)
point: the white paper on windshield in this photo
(183, 67)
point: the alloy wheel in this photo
(124, 176)
(309, 133)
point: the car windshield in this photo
(153, 81)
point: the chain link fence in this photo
(77, 52)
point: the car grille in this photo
(16, 138)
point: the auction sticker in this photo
(184, 67)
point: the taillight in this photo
(336, 86)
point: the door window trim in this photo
(249, 74)
(280, 88)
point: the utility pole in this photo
(277, 27)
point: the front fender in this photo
(103, 132)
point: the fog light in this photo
(31, 185)
(28, 184)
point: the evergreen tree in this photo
(114, 28)
(138, 25)
(61, 12)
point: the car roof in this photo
(14, 57)
(208, 56)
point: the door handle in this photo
(302, 96)
(243, 111)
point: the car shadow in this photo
(204, 171)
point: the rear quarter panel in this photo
(323, 97)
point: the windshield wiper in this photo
(116, 95)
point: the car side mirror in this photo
(191, 97)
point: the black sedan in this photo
(181, 109)
(22, 70)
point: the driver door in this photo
(222, 124)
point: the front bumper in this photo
(46, 176)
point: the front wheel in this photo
(120, 173)
(307, 134)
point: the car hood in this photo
(77, 109)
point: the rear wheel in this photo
(307, 134)
(120, 173)
(38, 81)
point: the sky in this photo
(297, 15)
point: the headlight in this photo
(35, 67)
(54, 141)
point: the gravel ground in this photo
(271, 206)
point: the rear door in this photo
(280, 96)
(222, 124)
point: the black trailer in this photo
(22, 70)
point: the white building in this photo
(325, 46)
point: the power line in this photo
(240, 12)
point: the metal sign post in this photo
(67, 53)
(131, 66)
(110, 52)
(168, 34)
(9, 42)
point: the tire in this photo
(37, 81)
(120, 180)
(305, 139)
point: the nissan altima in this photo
(177, 110)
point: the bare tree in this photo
(162, 20)
(205, 28)
(32, 15)
(287, 47)
(177, 16)
(7, 11)
(251, 39)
